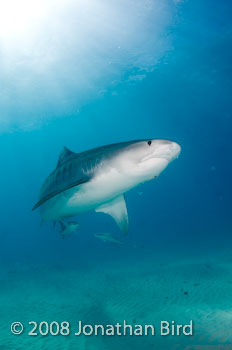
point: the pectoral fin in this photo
(117, 209)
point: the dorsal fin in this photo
(65, 153)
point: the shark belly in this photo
(104, 187)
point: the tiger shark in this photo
(97, 179)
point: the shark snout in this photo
(168, 150)
(175, 149)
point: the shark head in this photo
(146, 159)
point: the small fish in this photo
(68, 227)
(107, 237)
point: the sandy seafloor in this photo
(141, 292)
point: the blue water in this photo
(171, 79)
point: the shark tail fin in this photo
(62, 225)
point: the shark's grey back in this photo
(74, 169)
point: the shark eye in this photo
(149, 143)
